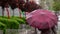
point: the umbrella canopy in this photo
(42, 19)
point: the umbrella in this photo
(42, 19)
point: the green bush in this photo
(13, 24)
(21, 21)
(3, 20)
(56, 6)
(3, 17)
(2, 26)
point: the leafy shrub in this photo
(3, 20)
(2, 26)
(56, 6)
(13, 24)
(21, 21)
(3, 17)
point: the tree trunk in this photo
(19, 12)
(8, 12)
(13, 13)
(18, 8)
(2, 12)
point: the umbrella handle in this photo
(35, 31)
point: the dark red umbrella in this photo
(41, 19)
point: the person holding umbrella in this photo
(44, 20)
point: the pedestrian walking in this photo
(44, 20)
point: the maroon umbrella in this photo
(41, 19)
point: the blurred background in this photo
(53, 5)
(13, 10)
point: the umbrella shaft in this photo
(35, 31)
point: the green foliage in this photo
(56, 6)
(3, 20)
(13, 24)
(2, 26)
(21, 21)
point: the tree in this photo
(56, 6)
